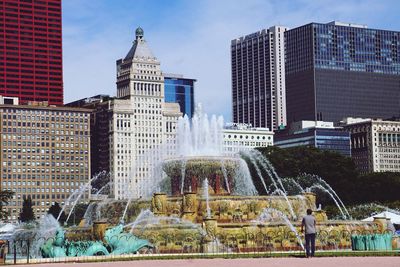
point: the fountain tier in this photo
(187, 174)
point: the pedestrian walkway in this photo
(260, 262)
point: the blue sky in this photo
(189, 37)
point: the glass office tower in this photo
(180, 90)
(338, 70)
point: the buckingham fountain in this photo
(204, 201)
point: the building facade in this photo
(322, 135)
(178, 89)
(45, 154)
(338, 70)
(31, 50)
(99, 129)
(375, 144)
(258, 78)
(242, 137)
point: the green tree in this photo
(5, 196)
(55, 210)
(337, 170)
(26, 214)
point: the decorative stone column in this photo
(210, 225)
(159, 203)
(189, 206)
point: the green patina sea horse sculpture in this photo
(123, 243)
(118, 241)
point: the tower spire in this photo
(139, 33)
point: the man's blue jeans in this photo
(310, 245)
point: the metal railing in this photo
(253, 244)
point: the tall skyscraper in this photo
(258, 78)
(338, 70)
(31, 50)
(180, 90)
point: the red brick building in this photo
(31, 50)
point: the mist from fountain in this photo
(200, 136)
(147, 219)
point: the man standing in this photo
(309, 223)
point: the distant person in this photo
(309, 223)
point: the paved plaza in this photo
(259, 262)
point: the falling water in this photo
(318, 186)
(93, 206)
(109, 184)
(223, 169)
(259, 174)
(81, 191)
(266, 165)
(88, 213)
(290, 181)
(242, 183)
(68, 201)
(323, 182)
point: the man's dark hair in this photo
(309, 211)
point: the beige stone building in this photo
(45, 153)
(141, 123)
(375, 144)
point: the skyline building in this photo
(375, 144)
(318, 134)
(45, 153)
(337, 70)
(31, 50)
(239, 137)
(180, 90)
(258, 78)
